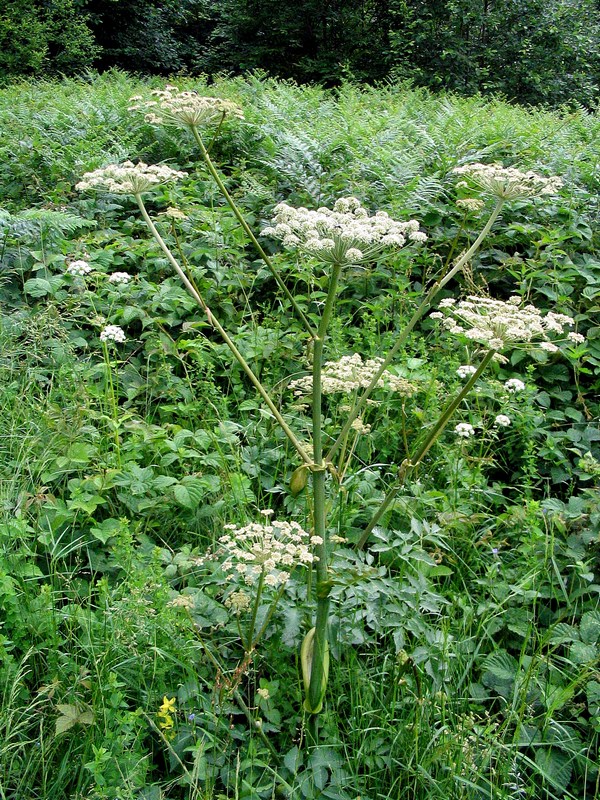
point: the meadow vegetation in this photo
(223, 574)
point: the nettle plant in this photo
(259, 558)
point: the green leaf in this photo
(106, 529)
(500, 672)
(589, 627)
(189, 492)
(554, 766)
(581, 653)
(70, 716)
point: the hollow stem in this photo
(224, 335)
(403, 336)
(411, 463)
(315, 691)
(249, 232)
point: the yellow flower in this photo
(168, 706)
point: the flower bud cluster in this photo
(351, 373)
(128, 178)
(470, 204)
(497, 324)
(508, 182)
(344, 235)
(270, 550)
(184, 109)
(238, 601)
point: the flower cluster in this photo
(165, 720)
(502, 421)
(344, 235)
(351, 373)
(508, 182)
(465, 371)
(119, 277)
(112, 333)
(184, 109)
(514, 385)
(464, 430)
(264, 550)
(78, 268)
(496, 324)
(238, 601)
(470, 204)
(128, 178)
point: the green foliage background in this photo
(465, 646)
(531, 51)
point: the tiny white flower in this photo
(502, 421)
(576, 338)
(353, 254)
(465, 430)
(79, 268)
(119, 277)
(112, 333)
(514, 385)
(466, 370)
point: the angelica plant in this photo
(337, 239)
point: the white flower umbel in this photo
(78, 268)
(171, 106)
(265, 551)
(119, 277)
(471, 205)
(498, 324)
(344, 235)
(464, 430)
(466, 370)
(113, 333)
(128, 178)
(502, 421)
(508, 182)
(351, 373)
(514, 385)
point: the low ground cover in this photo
(140, 466)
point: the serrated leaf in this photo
(554, 766)
(501, 665)
(182, 496)
(38, 287)
(70, 716)
(589, 627)
(582, 653)
(293, 760)
(189, 494)
(562, 633)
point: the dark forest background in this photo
(530, 51)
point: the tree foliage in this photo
(533, 51)
(46, 38)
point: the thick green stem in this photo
(421, 310)
(249, 645)
(410, 463)
(224, 335)
(113, 403)
(249, 232)
(315, 692)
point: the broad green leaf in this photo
(589, 627)
(554, 766)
